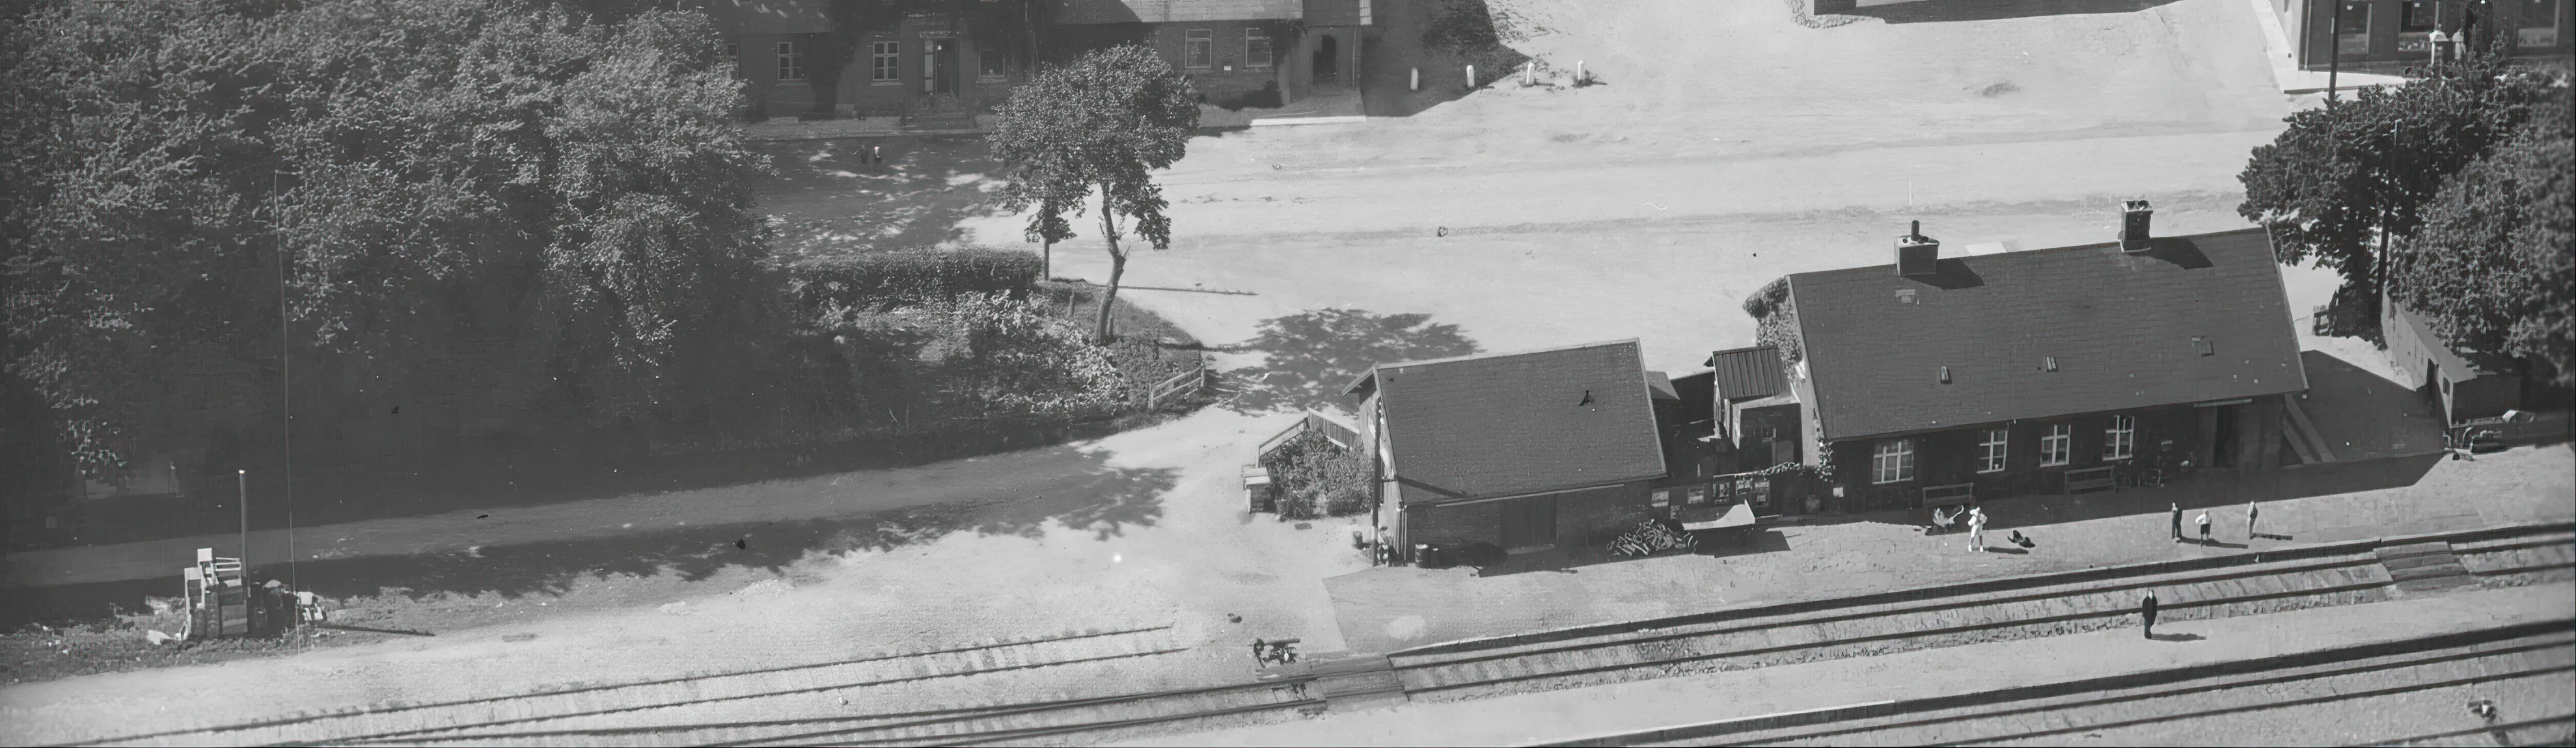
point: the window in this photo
(733, 52)
(1256, 49)
(2414, 16)
(885, 61)
(791, 62)
(2539, 23)
(2352, 33)
(2057, 446)
(1202, 44)
(1663, 498)
(2204, 346)
(1894, 461)
(995, 62)
(1990, 453)
(1698, 495)
(2120, 441)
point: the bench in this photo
(2091, 479)
(1950, 495)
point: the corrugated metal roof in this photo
(1746, 373)
(2120, 326)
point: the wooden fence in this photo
(1199, 379)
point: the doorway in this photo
(939, 67)
(1327, 62)
(2224, 443)
(1529, 524)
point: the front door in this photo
(1327, 63)
(939, 67)
(1529, 523)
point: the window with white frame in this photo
(885, 61)
(1201, 45)
(1990, 452)
(2058, 446)
(1894, 461)
(2120, 441)
(1256, 49)
(791, 62)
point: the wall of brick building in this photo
(1585, 520)
(1951, 457)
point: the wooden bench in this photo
(2091, 479)
(1950, 495)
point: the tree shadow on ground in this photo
(1311, 356)
(1098, 500)
(1937, 11)
(829, 198)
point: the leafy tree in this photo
(422, 171)
(2494, 267)
(1099, 125)
(2345, 180)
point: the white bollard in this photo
(1417, 79)
(1529, 72)
(1578, 72)
(1471, 76)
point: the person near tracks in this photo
(2147, 613)
(2203, 521)
(2253, 509)
(1976, 528)
(2177, 521)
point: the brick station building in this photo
(2397, 33)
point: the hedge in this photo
(886, 280)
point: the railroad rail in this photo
(2247, 584)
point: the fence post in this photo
(1471, 77)
(1416, 85)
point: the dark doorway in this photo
(2225, 444)
(1529, 523)
(939, 67)
(1328, 59)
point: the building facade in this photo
(1523, 451)
(1262, 53)
(1940, 379)
(2392, 33)
(911, 59)
(2467, 387)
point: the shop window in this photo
(2352, 30)
(1893, 462)
(885, 62)
(791, 62)
(1256, 49)
(1201, 47)
(2057, 446)
(1991, 451)
(2120, 441)
(2540, 23)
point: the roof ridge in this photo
(2028, 252)
(1504, 354)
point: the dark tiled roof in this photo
(1746, 373)
(2121, 327)
(1517, 423)
(1174, 11)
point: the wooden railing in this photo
(1955, 493)
(1180, 385)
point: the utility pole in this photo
(242, 497)
(2334, 54)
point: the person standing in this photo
(1977, 529)
(2147, 613)
(2203, 521)
(2177, 522)
(2253, 509)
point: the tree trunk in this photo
(1117, 264)
(1046, 261)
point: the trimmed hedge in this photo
(885, 280)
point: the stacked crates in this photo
(218, 597)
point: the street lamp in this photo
(243, 498)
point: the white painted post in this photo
(1578, 72)
(1417, 79)
(1471, 76)
(1529, 71)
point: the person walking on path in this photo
(1977, 529)
(2177, 522)
(2147, 613)
(2203, 520)
(2253, 509)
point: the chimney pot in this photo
(2134, 225)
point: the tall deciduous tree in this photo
(2344, 181)
(1100, 125)
(2494, 267)
(429, 169)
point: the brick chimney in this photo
(2134, 217)
(1917, 255)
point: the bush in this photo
(1312, 478)
(887, 280)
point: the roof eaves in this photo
(1503, 354)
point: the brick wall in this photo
(1585, 520)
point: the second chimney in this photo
(2134, 216)
(1917, 255)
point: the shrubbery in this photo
(886, 280)
(1312, 478)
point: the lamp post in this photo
(242, 497)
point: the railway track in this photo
(697, 711)
(2379, 695)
